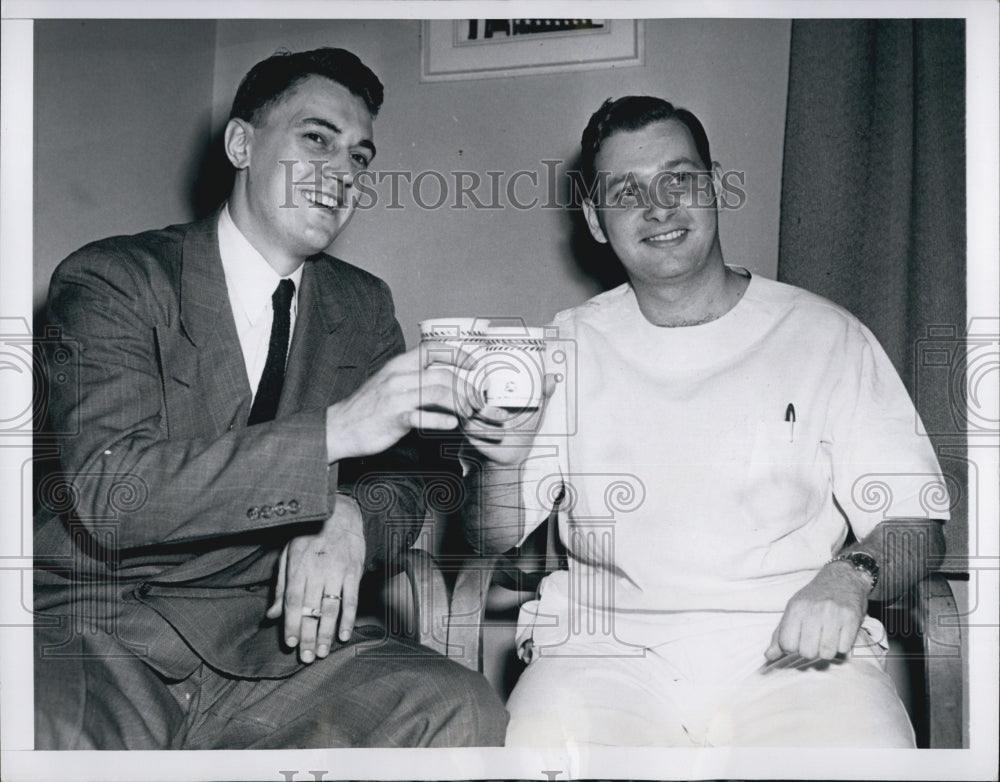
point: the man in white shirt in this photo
(723, 436)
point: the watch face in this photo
(864, 561)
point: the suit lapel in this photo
(207, 322)
(211, 361)
(319, 342)
(206, 355)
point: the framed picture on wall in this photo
(452, 49)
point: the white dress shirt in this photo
(251, 281)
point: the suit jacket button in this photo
(144, 589)
(293, 506)
(265, 511)
(253, 513)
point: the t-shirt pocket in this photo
(787, 473)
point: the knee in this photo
(478, 711)
(536, 730)
(438, 703)
(546, 711)
(54, 731)
(847, 705)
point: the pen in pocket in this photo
(790, 418)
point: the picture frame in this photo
(457, 49)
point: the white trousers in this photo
(703, 682)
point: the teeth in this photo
(669, 236)
(322, 198)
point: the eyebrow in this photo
(325, 123)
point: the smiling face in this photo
(295, 170)
(655, 205)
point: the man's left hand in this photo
(822, 619)
(318, 577)
(488, 430)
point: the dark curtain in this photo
(873, 205)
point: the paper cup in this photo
(453, 343)
(452, 329)
(511, 367)
(504, 364)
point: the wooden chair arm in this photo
(935, 614)
(468, 611)
(430, 600)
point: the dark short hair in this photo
(634, 112)
(266, 83)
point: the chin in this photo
(317, 241)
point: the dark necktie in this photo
(265, 403)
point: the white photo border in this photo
(19, 762)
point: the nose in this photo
(339, 172)
(339, 168)
(658, 210)
(662, 201)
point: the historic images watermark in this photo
(544, 187)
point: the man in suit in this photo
(243, 454)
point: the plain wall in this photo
(125, 111)
(122, 114)
(513, 262)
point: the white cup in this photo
(512, 366)
(504, 363)
(453, 343)
(452, 329)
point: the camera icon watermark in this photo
(502, 363)
(960, 373)
(49, 362)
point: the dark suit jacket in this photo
(170, 513)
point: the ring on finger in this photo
(315, 613)
(330, 597)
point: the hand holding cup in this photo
(503, 371)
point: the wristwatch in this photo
(861, 562)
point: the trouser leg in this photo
(844, 703)
(594, 698)
(93, 693)
(744, 701)
(709, 685)
(372, 692)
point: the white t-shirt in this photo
(688, 486)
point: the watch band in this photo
(861, 562)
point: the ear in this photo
(238, 138)
(593, 221)
(717, 183)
